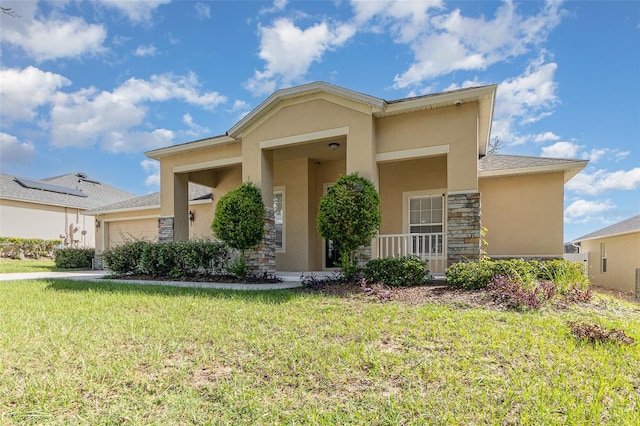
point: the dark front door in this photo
(331, 255)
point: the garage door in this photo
(131, 230)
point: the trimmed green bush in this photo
(180, 259)
(349, 215)
(126, 258)
(239, 217)
(73, 258)
(27, 247)
(397, 271)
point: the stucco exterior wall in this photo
(293, 177)
(523, 215)
(201, 156)
(30, 220)
(623, 257)
(396, 178)
(456, 127)
(117, 228)
(310, 115)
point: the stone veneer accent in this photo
(165, 229)
(261, 259)
(362, 255)
(463, 227)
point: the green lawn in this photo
(107, 353)
(27, 265)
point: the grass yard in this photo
(27, 265)
(107, 353)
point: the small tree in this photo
(349, 215)
(239, 220)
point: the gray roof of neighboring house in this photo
(196, 192)
(625, 227)
(97, 193)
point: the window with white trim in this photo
(426, 214)
(603, 256)
(278, 211)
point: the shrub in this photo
(516, 295)
(349, 215)
(27, 247)
(397, 271)
(568, 276)
(179, 259)
(71, 258)
(473, 275)
(470, 275)
(126, 258)
(239, 217)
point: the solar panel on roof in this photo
(43, 186)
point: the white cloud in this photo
(523, 99)
(146, 50)
(546, 137)
(277, 6)
(22, 91)
(12, 151)
(152, 170)
(88, 116)
(447, 42)
(195, 130)
(289, 51)
(582, 211)
(203, 11)
(562, 150)
(598, 181)
(55, 38)
(136, 11)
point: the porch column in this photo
(463, 227)
(257, 167)
(181, 207)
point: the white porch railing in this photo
(429, 247)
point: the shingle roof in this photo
(501, 165)
(625, 227)
(494, 162)
(196, 192)
(97, 193)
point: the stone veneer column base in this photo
(463, 227)
(261, 259)
(165, 229)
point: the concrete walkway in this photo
(287, 282)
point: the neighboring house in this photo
(52, 208)
(137, 218)
(614, 255)
(426, 155)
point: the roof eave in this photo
(597, 237)
(157, 154)
(569, 169)
(292, 92)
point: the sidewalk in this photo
(99, 276)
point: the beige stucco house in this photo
(52, 208)
(614, 255)
(426, 155)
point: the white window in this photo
(603, 255)
(278, 210)
(426, 214)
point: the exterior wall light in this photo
(192, 216)
(333, 146)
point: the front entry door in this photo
(331, 255)
(331, 252)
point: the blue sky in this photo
(90, 86)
